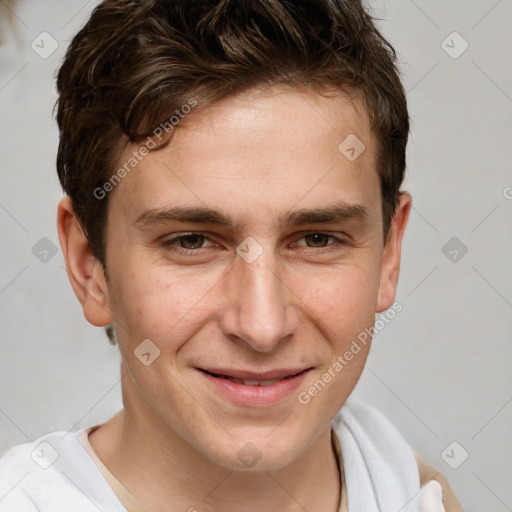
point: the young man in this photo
(232, 173)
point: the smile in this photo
(254, 389)
(250, 382)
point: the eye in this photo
(320, 240)
(192, 244)
(194, 241)
(317, 239)
(187, 242)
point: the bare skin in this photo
(315, 286)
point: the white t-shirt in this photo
(54, 473)
(60, 472)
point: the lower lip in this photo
(244, 395)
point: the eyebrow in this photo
(336, 213)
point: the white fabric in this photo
(431, 497)
(73, 483)
(55, 473)
(381, 473)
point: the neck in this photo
(164, 472)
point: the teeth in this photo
(260, 383)
(252, 382)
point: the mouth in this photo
(255, 379)
(252, 389)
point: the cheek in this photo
(343, 308)
(161, 304)
(344, 298)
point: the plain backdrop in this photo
(440, 370)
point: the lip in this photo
(278, 373)
(254, 396)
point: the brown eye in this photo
(189, 244)
(317, 239)
(191, 241)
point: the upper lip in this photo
(278, 373)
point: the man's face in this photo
(284, 276)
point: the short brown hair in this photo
(136, 61)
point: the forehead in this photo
(261, 151)
(271, 116)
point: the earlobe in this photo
(84, 271)
(390, 263)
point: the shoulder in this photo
(381, 444)
(53, 472)
(427, 473)
(22, 468)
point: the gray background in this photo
(440, 370)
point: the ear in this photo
(85, 272)
(390, 263)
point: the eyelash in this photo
(170, 243)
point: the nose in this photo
(260, 309)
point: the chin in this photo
(257, 452)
